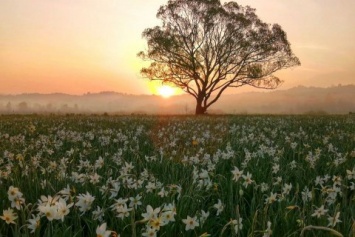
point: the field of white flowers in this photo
(177, 176)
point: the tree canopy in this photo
(204, 47)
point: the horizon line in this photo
(130, 94)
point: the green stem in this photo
(134, 234)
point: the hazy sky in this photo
(79, 46)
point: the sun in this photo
(166, 91)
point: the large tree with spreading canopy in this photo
(205, 47)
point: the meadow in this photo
(245, 175)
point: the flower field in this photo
(177, 175)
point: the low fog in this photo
(298, 100)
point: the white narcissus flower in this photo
(150, 232)
(98, 214)
(34, 223)
(204, 216)
(102, 232)
(275, 168)
(191, 223)
(219, 206)
(135, 201)
(350, 174)
(237, 173)
(150, 187)
(333, 220)
(320, 212)
(268, 231)
(352, 186)
(51, 212)
(306, 195)
(168, 216)
(163, 193)
(122, 211)
(63, 208)
(238, 225)
(157, 222)
(247, 179)
(272, 198)
(13, 193)
(15, 196)
(99, 163)
(65, 193)
(286, 189)
(84, 202)
(151, 213)
(94, 178)
(9, 216)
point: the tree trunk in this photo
(200, 110)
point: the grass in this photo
(184, 163)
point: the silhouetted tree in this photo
(204, 47)
(50, 107)
(8, 107)
(23, 106)
(65, 108)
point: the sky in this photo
(81, 46)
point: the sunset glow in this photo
(81, 46)
(166, 91)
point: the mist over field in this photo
(299, 100)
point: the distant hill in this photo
(298, 100)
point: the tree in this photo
(204, 47)
(9, 107)
(23, 106)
